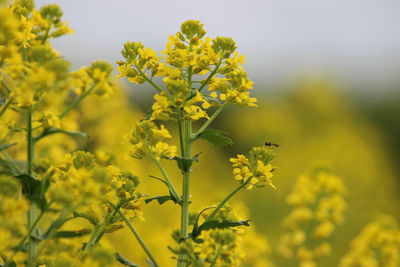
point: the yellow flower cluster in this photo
(31, 71)
(90, 186)
(378, 244)
(148, 140)
(317, 208)
(98, 257)
(28, 65)
(188, 57)
(93, 78)
(255, 170)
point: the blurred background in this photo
(327, 78)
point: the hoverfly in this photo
(267, 143)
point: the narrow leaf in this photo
(213, 224)
(34, 189)
(89, 218)
(5, 146)
(161, 199)
(73, 133)
(216, 137)
(196, 223)
(169, 189)
(124, 261)
(71, 234)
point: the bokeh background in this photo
(327, 78)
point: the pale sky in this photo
(354, 41)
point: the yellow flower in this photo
(194, 112)
(50, 120)
(255, 171)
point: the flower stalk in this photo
(32, 248)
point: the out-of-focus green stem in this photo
(28, 234)
(77, 101)
(139, 238)
(5, 106)
(158, 88)
(46, 35)
(32, 246)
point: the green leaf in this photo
(169, 189)
(124, 261)
(184, 164)
(56, 224)
(71, 234)
(50, 131)
(89, 218)
(72, 133)
(213, 224)
(161, 199)
(34, 189)
(11, 166)
(215, 137)
(5, 146)
(196, 223)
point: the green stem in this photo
(210, 120)
(32, 246)
(187, 153)
(8, 89)
(76, 102)
(5, 106)
(210, 76)
(92, 238)
(139, 238)
(223, 202)
(46, 34)
(30, 230)
(167, 180)
(158, 88)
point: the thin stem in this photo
(167, 180)
(5, 106)
(139, 238)
(58, 222)
(5, 85)
(32, 248)
(210, 76)
(46, 34)
(223, 202)
(30, 230)
(210, 120)
(158, 88)
(14, 166)
(76, 102)
(92, 238)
